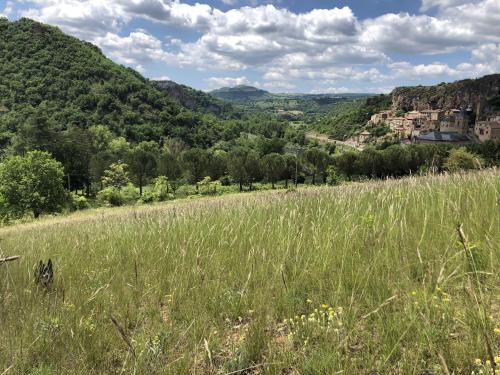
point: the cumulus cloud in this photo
(135, 49)
(216, 82)
(330, 45)
(405, 33)
(442, 4)
(8, 10)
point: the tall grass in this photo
(352, 279)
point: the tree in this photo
(318, 159)
(346, 163)
(195, 160)
(142, 162)
(116, 176)
(292, 167)
(169, 165)
(76, 152)
(244, 166)
(461, 159)
(32, 183)
(274, 167)
(217, 166)
(98, 165)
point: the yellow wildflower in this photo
(478, 362)
(497, 331)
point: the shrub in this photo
(78, 202)
(333, 178)
(147, 197)
(110, 197)
(225, 181)
(130, 194)
(461, 159)
(161, 189)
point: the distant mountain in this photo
(239, 93)
(192, 99)
(482, 93)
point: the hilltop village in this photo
(457, 126)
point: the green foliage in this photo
(32, 184)
(346, 118)
(461, 159)
(274, 167)
(78, 202)
(142, 162)
(161, 188)
(110, 196)
(333, 178)
(116, 176)
(46, 73)
(208, 187)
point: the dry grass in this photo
(203, 286)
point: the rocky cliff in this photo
(482, 93)
(192, 99)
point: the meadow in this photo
(387, 277)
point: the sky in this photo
(307, 46)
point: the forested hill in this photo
(195, 100)
(53, 82)
(239, 93)
(483, 92)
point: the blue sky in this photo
(315, 46)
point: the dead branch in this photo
(123, 334)
(9, 259)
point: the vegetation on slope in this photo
(47, 76)
(347, 118)
(365, 277)
(484, 91)
(195, 100)
(239, 93)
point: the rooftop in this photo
(443, 137)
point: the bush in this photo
(225, 181)
(78, 202)
(111, 197)
(147, 197)
(186, 190)
(333, 178)
(130, 194)
(461, 159)
(161, 189)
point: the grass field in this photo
(358, 279)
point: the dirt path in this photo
(324, 139)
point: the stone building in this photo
(489, 129)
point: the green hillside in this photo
(367, 278)
(239, 93)
(52, 79)
(195, 100)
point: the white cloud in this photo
(332, 90)
(442, 4)
(404, 33)
(8, 10)
(136, 48)
(216, 82)
(327, 45)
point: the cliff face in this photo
(483, 92)
(192, 99)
